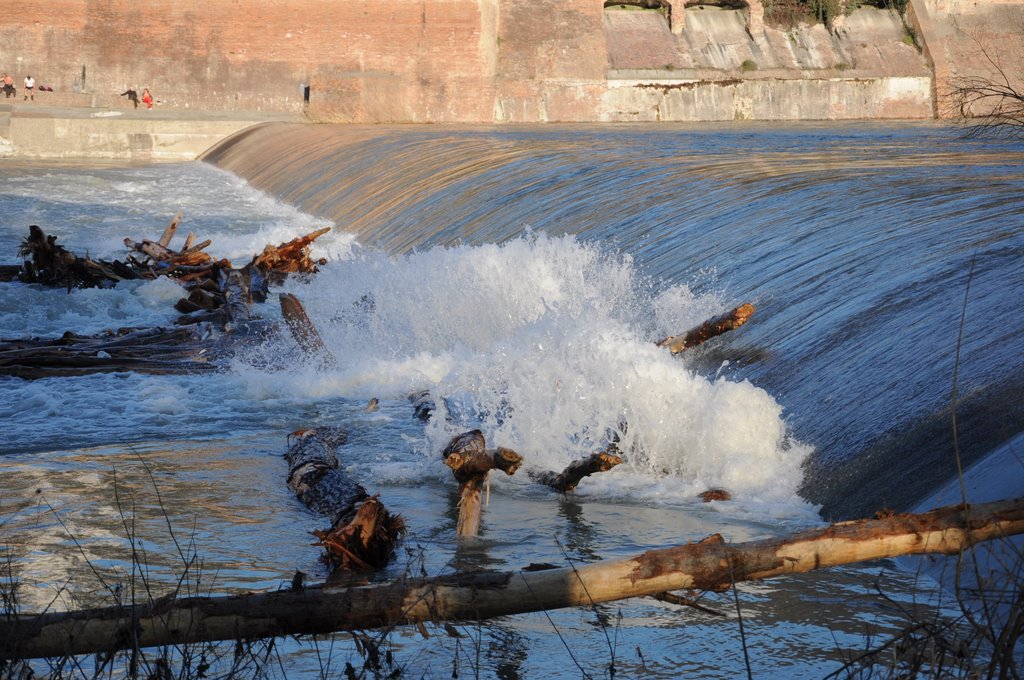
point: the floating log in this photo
(141, 350)
(471, 463)
(569, 478)
(708, 565)
(709, 329)
(363, 534)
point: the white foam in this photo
(547, 345)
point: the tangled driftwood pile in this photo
(216, 302)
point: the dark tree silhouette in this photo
(991, 102)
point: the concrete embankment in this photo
(35, 130)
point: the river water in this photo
(523, 276)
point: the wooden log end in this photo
(605, 461)
(715, 495)
(454, 460)
(465, 443)
(467, 461)
(742, 313)
(507, 460)
(366, 542)
(186, 306)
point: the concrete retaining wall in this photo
(63, 138)
(778, 100)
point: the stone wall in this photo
(481, 60)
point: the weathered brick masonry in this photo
(405, 60)
(489, 60)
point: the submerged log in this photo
(709, 565)
(569, 478)
(363, 534)
(709, 329)
(422, 404)
(471, 463)
(303, 330)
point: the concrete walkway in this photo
(37, 130)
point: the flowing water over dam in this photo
(856, 244)
(523, 277)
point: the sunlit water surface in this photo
(523, 277)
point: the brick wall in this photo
(405, 60)
(409, 60)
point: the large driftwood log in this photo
(158, 251)
(709, 329)
(363, 534)
(471, 463)
(708, 565)
(146, 350)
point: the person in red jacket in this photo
(147, 98)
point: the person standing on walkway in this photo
(132, 95)
(8, 83)
(147, 98)
(30, 88)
